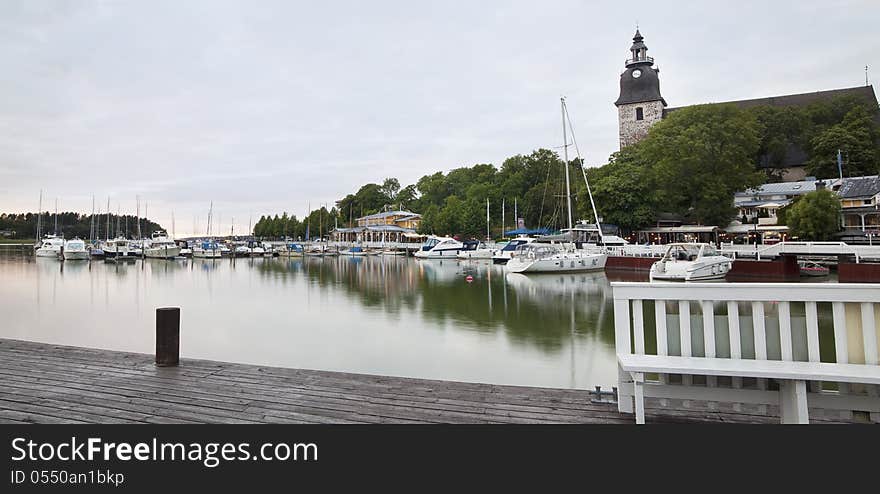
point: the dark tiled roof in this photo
(804, 99)
(859, 187)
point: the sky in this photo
(271, 106)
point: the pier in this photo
(45, 383)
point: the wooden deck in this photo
(44, 383)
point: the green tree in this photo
(623, 190)
(857, 139)
(814, 216)
(700, 156)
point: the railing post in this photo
(167, 336)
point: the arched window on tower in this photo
(640, 115)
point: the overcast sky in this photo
(266, 106)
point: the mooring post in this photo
(167, 336)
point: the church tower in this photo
(640, 105)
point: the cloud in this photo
(271, 106)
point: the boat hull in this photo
(162, 252)
(563, 264)
(42, 252)
(206, 254)
(690, 271)
(76, 255)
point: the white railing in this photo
(636, 250)
(804, 249)
(757, 321)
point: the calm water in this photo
(376, 315)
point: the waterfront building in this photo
(640, 105)
(860, 205)
(387, 226)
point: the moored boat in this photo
(50, 246)
(75, 250)
(546, 258)
(440, 248)
(161, 246)
(813, 269)
(691, 262)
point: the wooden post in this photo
(167, 336)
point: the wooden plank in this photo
(638, 327)
(760, 330)
(684, 322)
(621, 326)
(841, 347)
(812, 331)
(785, 331)
(56, 384)
(869, 334)
(661, 335)
(735, 337)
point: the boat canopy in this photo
(526, 231)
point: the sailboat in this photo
(540, 257)
(208, 248)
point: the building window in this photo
(640, 114)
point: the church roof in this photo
(794, 154)
(803, 99)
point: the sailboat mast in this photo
(92, 223)
(515, 215)
(40, 216)
(56, 216)
(567, 181)
(107, 233)
(502, 217)
(488, 234)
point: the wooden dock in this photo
(44, 383)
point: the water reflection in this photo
(441, 319)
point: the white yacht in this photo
(508, 250)
(545, 258)
(161, 247)
(691, 262)
(440, 248)
(75, 250)
(50, 246)
(257, 251)
(206, 249)
(477, 250)
(241, 251)
(117, 247)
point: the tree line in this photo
(72, 224)
(690, 165)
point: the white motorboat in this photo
(508, 250)
(117, 247)
(161, 247)
(207, 249)
(476, 250)
(691, 262)
(440, 248)
(50, 246)
(546, 258)
(269, 250)
(186, 252)
(392, 253)
(241, 251)
(75, 250)
(257, 251)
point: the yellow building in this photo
(387, 226)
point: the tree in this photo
(815, 216)
(857, 140)
(623, 191)
(699, 157)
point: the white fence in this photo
(803, 249)
(794, 322)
